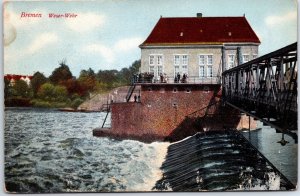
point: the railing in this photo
(266, 88)
(107, 112)
(130, 91)
(174, 80)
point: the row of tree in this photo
(62, 89)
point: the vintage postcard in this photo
(150, 96)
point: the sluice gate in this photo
(218, 161)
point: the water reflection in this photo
(284, 158)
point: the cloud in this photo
(128, 44)
(281, 19)
(42, 41)
(104, 51)
(109, 53)
(85, 22)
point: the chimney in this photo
(199, 15)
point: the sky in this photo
(106, 33)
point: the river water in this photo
(284, 158)
(52, 151)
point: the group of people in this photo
(143, 77)
(163, 78)
(137, 98)
(182, 80)
(148, 78)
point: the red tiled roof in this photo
(16, 77)
(201, 30)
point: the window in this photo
(151, 69)
(184, 69)
(209, 59)
(254, 56)
(201, 71)
(176, 70)
(176, 60)
(159, 70)
(201, 60)
(184, 60)
(159, 60)
(230, 61)
(209, 71)
(245, 58)
(151, 60)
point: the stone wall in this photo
(173, 112)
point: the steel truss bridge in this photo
(265, 88)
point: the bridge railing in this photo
(266, 86)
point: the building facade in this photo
(199, 47)
(179, 82)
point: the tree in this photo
(7, 88)
(21, 89)
(87, 80)
(60, 93)
(108, 77)
(38, 79)
(46, 91)
(126, 74)
(71, 85)
(61, 73)
(135, 67)
(49, 92)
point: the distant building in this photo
(200, 47)
(13, 78)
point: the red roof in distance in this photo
(201, 30)
(16, 77)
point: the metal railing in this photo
(266, 88)
(136, 79)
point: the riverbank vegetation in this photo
(62, 89)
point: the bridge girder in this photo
(266, 88)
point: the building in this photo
(13, 78)
(200, 47)
(179, 82)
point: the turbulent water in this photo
(52, 151)
(218, 161)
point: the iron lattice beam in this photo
(266, 88)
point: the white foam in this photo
(153, 155)
(256, 185)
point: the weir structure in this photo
(266, 89)
(216, 157)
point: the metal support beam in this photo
(266, 88)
